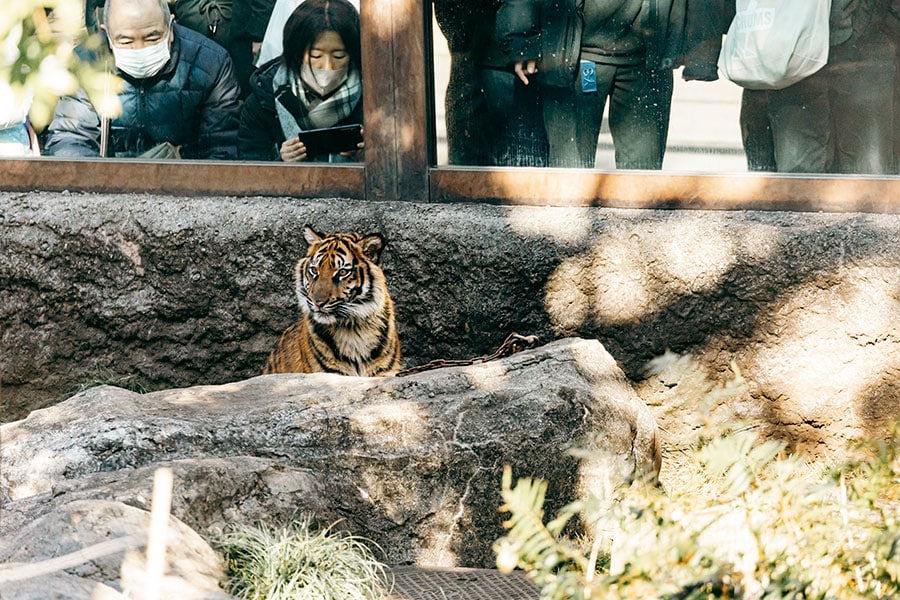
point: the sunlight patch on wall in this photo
(407, 137)
(694, 255)
(632, 273)
(568, 304)
(562, 225)
(562, 191)
(760, 243)
(619, 272)
(833, 336)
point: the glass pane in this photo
(188, 86)
(839, 119)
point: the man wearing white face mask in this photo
(178, 89)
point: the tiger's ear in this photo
(372, 245)
(311, 235)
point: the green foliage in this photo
(45, 67)
(299, 563)
(743, 520)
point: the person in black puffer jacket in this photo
(315, 84)
(178, 88)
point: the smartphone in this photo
(331, 140)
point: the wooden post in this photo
(395, 92)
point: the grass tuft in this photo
(298, 562)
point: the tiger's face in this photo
(338, 278)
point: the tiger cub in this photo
(346, 320)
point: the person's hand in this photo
(524, 68)
(293, 151)
(359, 147)
(255, 47)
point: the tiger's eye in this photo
(344, 273)
(311, 270)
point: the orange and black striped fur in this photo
(346, 320)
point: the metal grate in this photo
(414, 583)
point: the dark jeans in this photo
(835, 121)
(514, 127)
(640, 100)
(756, 131)
(464, 113)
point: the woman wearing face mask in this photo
(314, 84)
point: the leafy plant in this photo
(299, 563)
(744, 519)
(37, 57)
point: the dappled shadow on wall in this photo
(807, 305)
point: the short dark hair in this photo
(314, 17)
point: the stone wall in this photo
(160, 292)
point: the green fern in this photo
(530, 540)
(748, 521)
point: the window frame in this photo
(398, 96)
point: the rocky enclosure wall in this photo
(166, 292)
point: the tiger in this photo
(347, 323)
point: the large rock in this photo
(209, 493)
(57, 586)
(194, 570)
(411, 463)
(155, 292)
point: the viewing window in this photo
(453, 123)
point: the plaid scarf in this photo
(295, 111)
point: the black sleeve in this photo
(705, 23)
(465, 23)
(259, 136)
(220, 115)
(251, 17)
(518, 29)
(75, 129)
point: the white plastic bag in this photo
(772, 44)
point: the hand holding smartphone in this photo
(332, 140)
